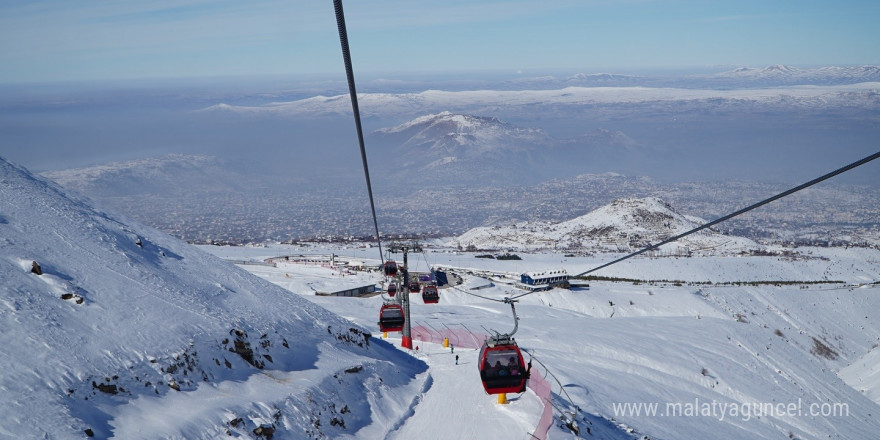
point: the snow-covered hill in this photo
(113, 328)
(174, 174)
(463, 146)
(625, 225)
(450, 130)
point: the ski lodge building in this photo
(544, 278)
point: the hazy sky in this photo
(51, 40)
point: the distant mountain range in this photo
(583, 88)
(733, 124)
(555, 97)
(770, 76)
(778, 74)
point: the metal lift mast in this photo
(405, 248)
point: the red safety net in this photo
(466, 339)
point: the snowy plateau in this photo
(113, 329)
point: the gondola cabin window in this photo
(503, 363)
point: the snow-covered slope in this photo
(122, 316)
(110, 328)
(645, 360)
(625, 224)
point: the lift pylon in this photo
(405, 248)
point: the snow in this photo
(656, 341)
(155, 317)
(625, 224)
(445, 130)
(822, 74)
(165, 315)
(864, 374)
(389, 104)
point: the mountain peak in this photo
(780, 68)
(446, 121)
(471, 142)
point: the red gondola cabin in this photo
(392, 289)
(391, 318)
(430, 295)
(502, 369)
(390, 268)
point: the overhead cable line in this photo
(506, 299)
(478, 296)
(707, 225)
(346, 55)
(741, 211)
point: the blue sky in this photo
(58, 40)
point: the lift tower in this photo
(405, 248)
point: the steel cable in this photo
(349, 72)
(741, 211)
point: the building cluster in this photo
(836, 214)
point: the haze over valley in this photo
(240, 161)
